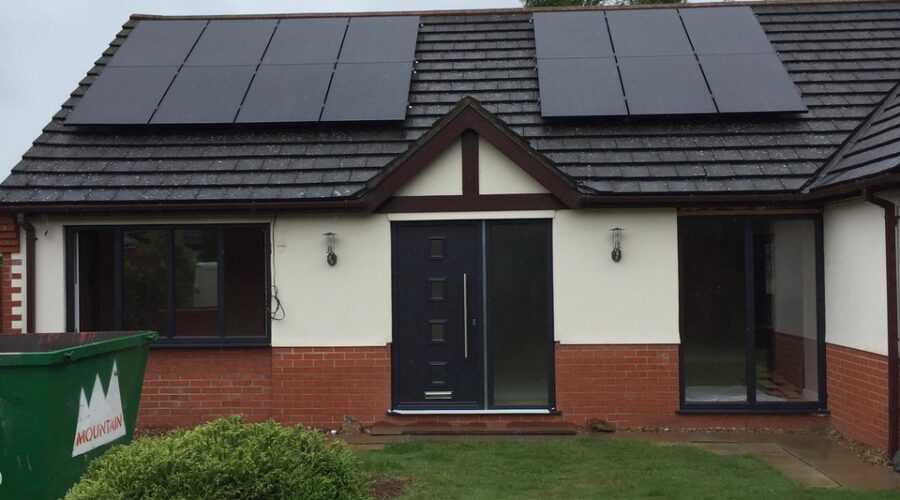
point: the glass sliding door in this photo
(750, 311)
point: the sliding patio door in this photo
(752, 333)
(472, 315)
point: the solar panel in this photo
(725, 30)
(232, 43)
(158, 43)
(122, 96)
(665, 85)
(303, 41)
(380, 39)
(571, 34)
(648, 32)
(368, 91)
(580, 87)
(286, 93)
(751, 83)
(205, 95)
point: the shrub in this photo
(225, 459)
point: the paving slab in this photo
(832, 462)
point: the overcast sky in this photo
(47, 47)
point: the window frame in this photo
(752, 405)
(167, 338)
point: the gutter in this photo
(30, 241)
(890, 237)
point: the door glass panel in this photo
(245, 282)
(786, 306)
(437, 330)
(713, 301)
(518, 288)
(144, 280)
(196, 282)
(436, 289)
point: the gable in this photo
(442, 176)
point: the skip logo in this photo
(100, 421)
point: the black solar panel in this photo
(368, 91)
(158, 43)
(200, 72)
(286, 93)
(664, 85)
(580, 87)
(380, 39)
(725, 30)
(653, 56)
(751, 83)
(304, 41)
(205, 95)
(571, 34)
(122, 96)
(648, 32)
(232, 43)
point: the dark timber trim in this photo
(470, 164)
(412, 204)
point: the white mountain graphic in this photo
(101, 421)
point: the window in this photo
(751, 334)
(192, 284)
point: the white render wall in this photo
(855, 285)
(596, 300)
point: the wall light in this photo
(331, 257)
(617, 243)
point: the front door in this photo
(437, 299)
(473, 320)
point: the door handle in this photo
(465, 315)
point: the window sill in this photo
(529, 411)
(753, 411)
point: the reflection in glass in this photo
(245, 282)
(196, 282)
(144, 280)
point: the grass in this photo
(582, 468)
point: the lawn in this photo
(581, 468)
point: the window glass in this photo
(196, 256)
(96, 280)
(144, 280)
(245, 281)
(713, 285)
(786, 330)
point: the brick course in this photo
(857, 394)
(631, 386)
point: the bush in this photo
(225, 459)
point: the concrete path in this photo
(809, 459)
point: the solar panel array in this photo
(659, 62)
(255, 71)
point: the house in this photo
(659, 217)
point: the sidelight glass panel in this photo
(246, 314)
(144, 280)
(713, 303)
(786, 308)
(519, 305)
(196, 282)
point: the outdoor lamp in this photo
(331, 257)
(617, 241)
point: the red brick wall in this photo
(318, 386)
(185, 387)
(629, 385)
(787, 358)
(857, 394)
(9, 245)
